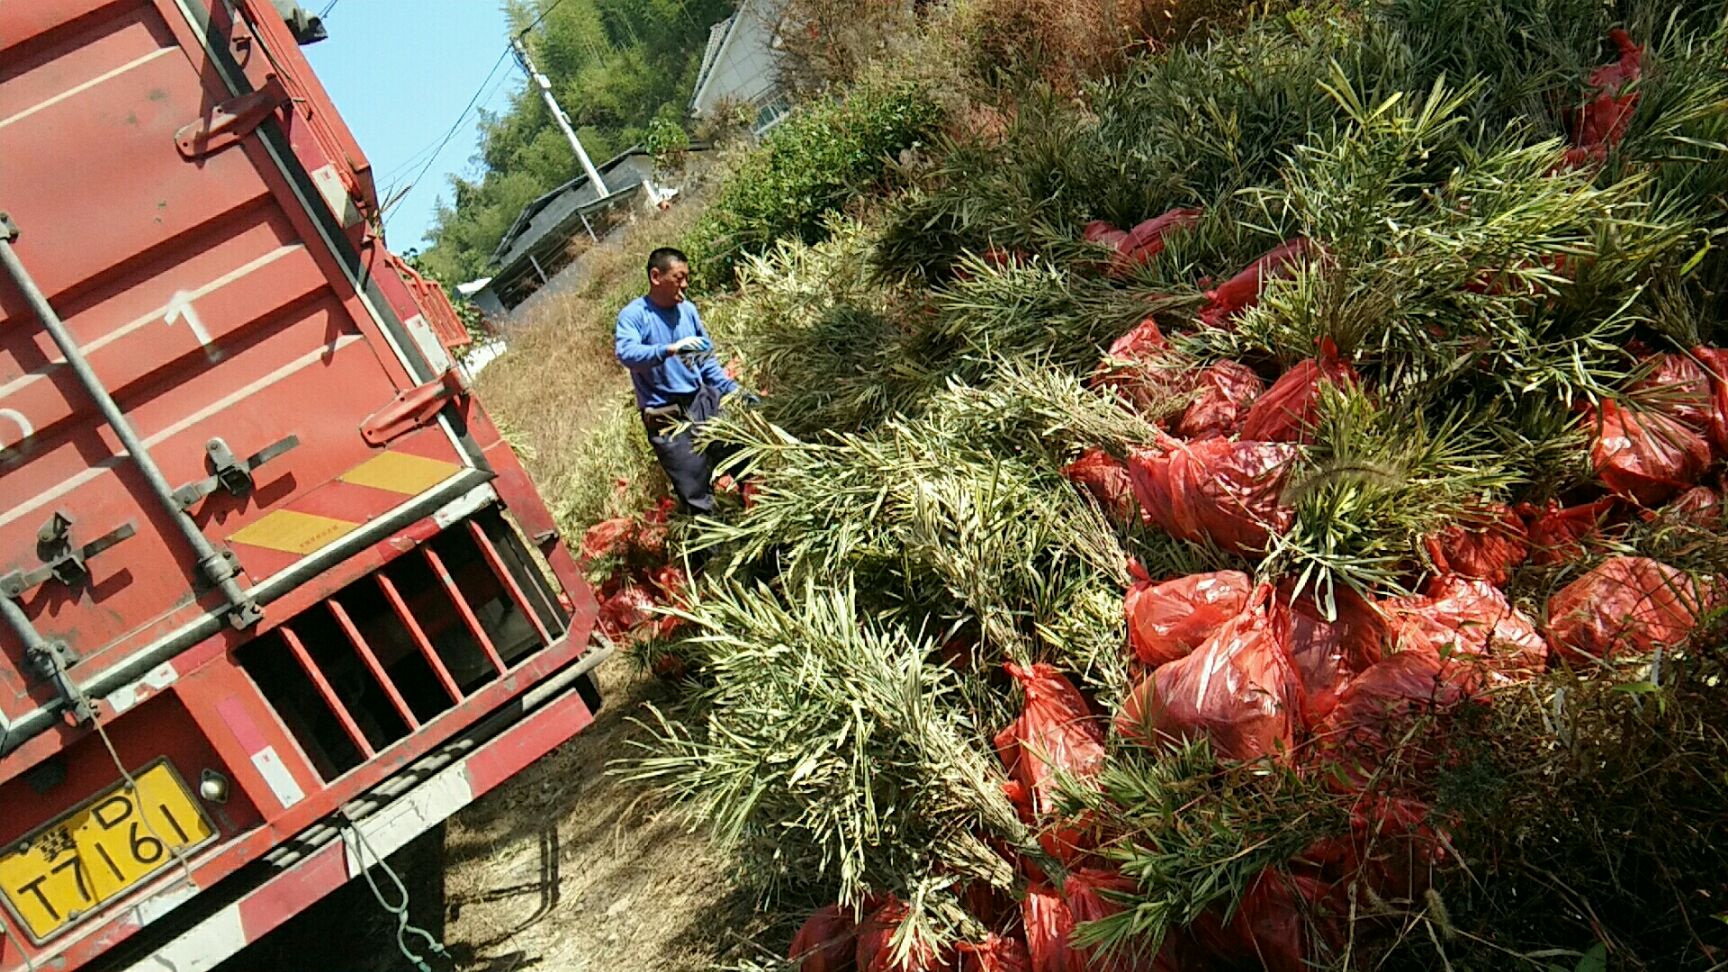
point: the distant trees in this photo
(616, 66)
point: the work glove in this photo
(694, 342)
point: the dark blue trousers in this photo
(688, 466)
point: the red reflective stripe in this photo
(420, 639)
(330, 699)
(509, 581)
(371, 660)
(263, 910)
(463, 609)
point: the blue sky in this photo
(400, 71)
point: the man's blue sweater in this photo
(644, 330)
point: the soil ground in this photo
(564, 868)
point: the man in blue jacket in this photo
(661, 340)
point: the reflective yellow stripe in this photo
(294, 532)
(399, 473)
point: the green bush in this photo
(811, 165)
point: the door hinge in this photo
(413, 408)
(231, 121)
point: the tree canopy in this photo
(615, 65)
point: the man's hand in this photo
(694, 342)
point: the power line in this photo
(328, 7)
(419, 155)
(544, 11)
(457, 125)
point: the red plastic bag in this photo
(626, 610)
(1375, 712)
(1107, 479)
(1626, 606)
(1460, 616)
(1226, 390)
(1146, 240)
(1557, 534)
(1051, 918)
(1099, 231)
(607, 536)
(1487, 547)
(1327, 653)
(1271, 927)
(1243, 290)
(1649, 456)
(1048, 925)
(1143, 368)
(1229, 493)
(1681, 390)
(1714, 362)
(824, 942)
(669, 582)
(1290, 409)
(994, 954)
(1601, 123)
(1167, 621)
(875, 952)
(1087, 892)
(1054, 732)
(1698, 507)
(1238, 689)
(1140, 244)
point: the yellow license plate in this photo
(98, 851)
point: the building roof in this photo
(724, 41)
(716, 39)
(547, 211)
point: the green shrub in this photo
(811, 165)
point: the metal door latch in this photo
(66, 562)
(51, 659)
(230, 473)
(61, 559)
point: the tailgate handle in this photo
(413, 408)
(231, 121)
(61, 559)
(231, 474)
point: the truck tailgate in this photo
(212, 296)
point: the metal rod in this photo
(425, 644)
(366, 654)
(331, 699)
(243, 610)
(41, 652)
(509, 581)
(461, 494)
(463, 609)
(545, 86)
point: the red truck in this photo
(276, 595)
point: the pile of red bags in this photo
(638, 581)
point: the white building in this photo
(740, 65)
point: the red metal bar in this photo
(509, 581)
(371, 661)
(463, 608)
(420, 639)
(298, 649)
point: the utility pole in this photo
(558, 115)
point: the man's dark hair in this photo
(663, 258)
